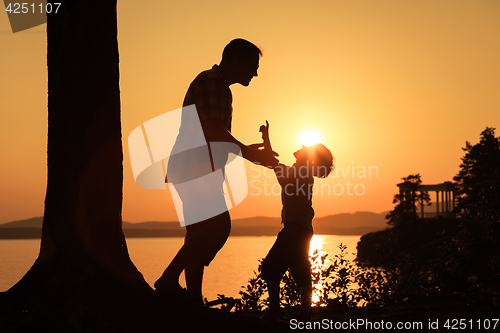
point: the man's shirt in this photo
(213, 100)
(212, 97)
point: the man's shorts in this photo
(207, 237)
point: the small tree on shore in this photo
(406, 202)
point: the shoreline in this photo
(36, 233)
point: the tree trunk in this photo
(83, 266)
(82, 219)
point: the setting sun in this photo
(309, 138)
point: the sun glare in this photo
(316, 244)
(316, 265)
(309, 138)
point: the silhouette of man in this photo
(211, 95)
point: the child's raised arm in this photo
(266, 143)
(264, 129)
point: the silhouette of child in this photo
(291, 249)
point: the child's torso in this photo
(296, 196)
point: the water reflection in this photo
(316, 244)
(315, 253)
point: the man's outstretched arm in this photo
(215, 132)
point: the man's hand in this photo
(256, 146)
(214, 132)
(263, 157)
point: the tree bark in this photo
(83, 268)
(82, 219)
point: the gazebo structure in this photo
(444, 207)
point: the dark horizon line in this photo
(232, 219)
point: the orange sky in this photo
(398, 86)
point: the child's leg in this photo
(272, 272)
(273, 288)
(301, 273)
(273, 268)
(305, 298)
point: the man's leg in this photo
(189, 254)
(169, 280)
(203, 241)
(194, 280)
(209, 240)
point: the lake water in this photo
(229, 271)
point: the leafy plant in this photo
(335, 282)
(252, 298)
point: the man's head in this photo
(240, 61)
(318, 158)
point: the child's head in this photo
(318, 158)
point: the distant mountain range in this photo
(358, 223)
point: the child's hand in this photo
(264, 129)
